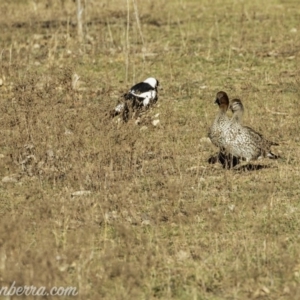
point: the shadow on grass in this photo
(232, 162)
(227, 161)
(251, 167)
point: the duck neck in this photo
(237, 116)
(223, 109)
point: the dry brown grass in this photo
(159, 221)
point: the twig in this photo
(79, 21)
(229, 55)
(275, 112)
(136, 12)
(127, 41)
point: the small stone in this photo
(81, 193)
(182, 255)
(36, 46)
(146, 223)
(272, 53)
(205, 140)
(10, 179)
(155, 122)
(231, 207)
(38, 36)
(143, 128)
(118, 120)
(50, 154)
(138, 121)
(265, 290)
(68, 131)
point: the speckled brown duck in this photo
(232, 138)
(244, 142)
(221, 124)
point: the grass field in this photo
(126, 211)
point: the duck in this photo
(243, 141)
(234, 140)
(218, 131)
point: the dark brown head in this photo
(222, 100)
